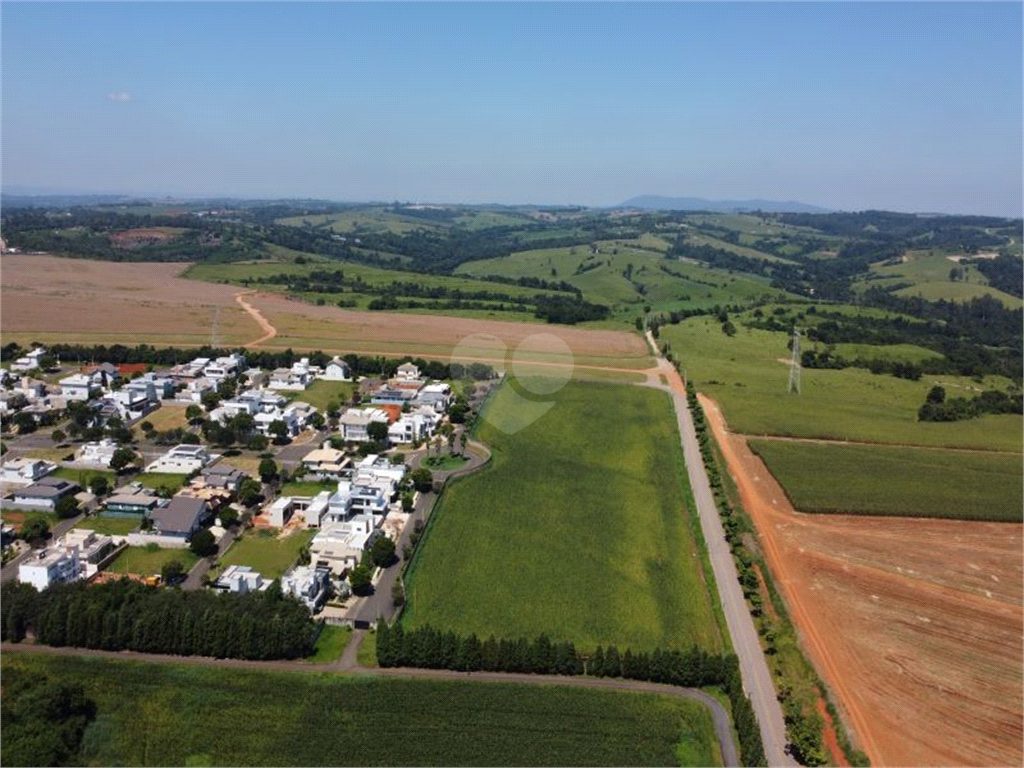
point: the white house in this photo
(410, 428)
(79, 386)
(281, 510)
(181, 460)
(196, 388)
(316, 509)
(30, 361)
(341, 547)
(337, 370)
(240, 579)
(298, 377)
(325, 462)
(408, 372)
(92, 548)
(310, 585)
(354, 423)
(50, 566)
(25, 471)
(222, 367)
(99, 453)
(438, 396)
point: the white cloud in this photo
(119, 96)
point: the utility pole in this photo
(794, 364)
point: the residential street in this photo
(757, 679)
(380, 603)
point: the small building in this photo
(132, 501)
(408, 372)
(337, 370)
(181, 517)
(341, 547)
(25, 471)
(438, 396)
(92, 548)
(289, 378)
(98, 454)
(240, 579)
(410, 428)
(317, 508)
(44, 493)
(181, 460)
(29, 362)
(310, 585)
(79, 386)
(223, 476)
(281, 510)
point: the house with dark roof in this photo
(181, 517)
(44, 493)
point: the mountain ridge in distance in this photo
(663, 203)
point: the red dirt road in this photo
(916, 625)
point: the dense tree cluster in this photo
(42, 720)
(126, 615)
(429, 648)
(938, 408)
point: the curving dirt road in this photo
(269, 331)
(723, 729)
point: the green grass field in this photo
(928, 272)
(171, 714)
(148, 560)
(264, 552)
(155, 480)
(311, 488)
(889, 480)
(745, 375)
(83, 476)
(444, 463)
(330, 644)
(321, 392)
(578, 528)
(109, 525)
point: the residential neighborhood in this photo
(310, 492)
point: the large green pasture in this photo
(928, 273)
(748, 375)
(578, 528)
(263, 551)
(892, 480)
(174, 714)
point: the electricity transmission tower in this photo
(794, 364)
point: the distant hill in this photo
(659, 203)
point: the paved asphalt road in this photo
(723, 731)
(757, 678)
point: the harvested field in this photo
(46, 298)
(916, 625)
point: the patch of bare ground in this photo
(916, 625)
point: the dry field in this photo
(916, 625)
(46, 298)
(75, 300)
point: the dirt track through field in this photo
(269, 331)
(916, 625)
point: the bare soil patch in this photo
(916, 625)
(131, 238)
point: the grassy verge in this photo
(83, 476)
(311, 488)
(330, 644)
(166, 480)
(110, 526)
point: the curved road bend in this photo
(757, 678)
(723, 731)
(269, 331)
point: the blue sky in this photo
(903, 106)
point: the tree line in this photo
(937, 407)
(127, 615)
(43, 720)
(430, 648)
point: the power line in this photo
(794, 364)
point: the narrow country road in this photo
(757, 678)
(269, 331)
(723, 731)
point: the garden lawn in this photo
(321, 392)
(578, 529)
(150, 559)
(83, 476)
(173, 714)
(173, 482)
(311, 488)
(743, 373)
(263, 551)
(889, 480)
(330, 644)
(110, 525)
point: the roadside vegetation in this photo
(169, 714)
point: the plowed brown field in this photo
(916, 625)
(51, 299)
